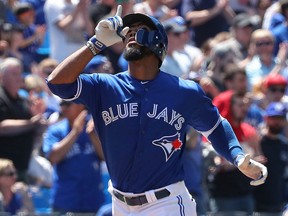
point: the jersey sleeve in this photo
(225, 142)
(205, 118)
(65, 91)
(84, 90)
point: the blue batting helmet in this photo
(155, 40)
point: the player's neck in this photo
(143, 69)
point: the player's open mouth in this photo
(131, 42)
(131, 39)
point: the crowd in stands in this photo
(51, 160)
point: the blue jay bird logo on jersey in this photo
(169, 144)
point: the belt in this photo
(140, 200)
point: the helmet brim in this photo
(130, 19)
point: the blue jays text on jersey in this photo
(130, 110)
(142, 126)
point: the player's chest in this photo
(140, 112)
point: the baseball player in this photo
(141, 116)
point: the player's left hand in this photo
(252, 169)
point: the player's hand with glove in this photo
(252, 169)
(109, 31)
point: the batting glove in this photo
(252, 169)
(109, 31)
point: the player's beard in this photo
(136, 53)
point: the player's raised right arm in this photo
(108, 32)
(68, 70)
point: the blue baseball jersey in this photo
(142, 124)
(77, 184)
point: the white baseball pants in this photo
(178, 203)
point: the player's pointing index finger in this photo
(119, 11)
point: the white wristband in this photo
(99, 45)
(91, 46)
(237, 159)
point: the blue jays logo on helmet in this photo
(155, 40)
(169, 144)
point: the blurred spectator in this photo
(74, 149)
(280, 31)
(242, 6)
(261, 7)
(4, 49)
(16, 197)
(155, 8)
(235, 79)
(44, 50)
(274, 88)
(12, 35)
(127, 6)
(270, 197)
(7, 15)
(38, 6)
(32, 35)
(263, 60)
(98, 10)
(207, 18)
(234, 107)
(174, 4)
(2, 12)
(171, 63)
(208, 50)
(236, 195)
(39, 173)
(34, 90)
(272, 16)
(212, 80)
(241, 30)
(45, 67)
(43, 70)
(18, 125)
(281, 61)
(40, 169)
(190, 56)
(68, 26)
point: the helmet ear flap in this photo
(153, 40)
(141, 37)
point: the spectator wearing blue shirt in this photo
(207, 18)
(281, 31)
(263, 61)
(14, 194)
(38, 6)
(74, 149)
(32, 35)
